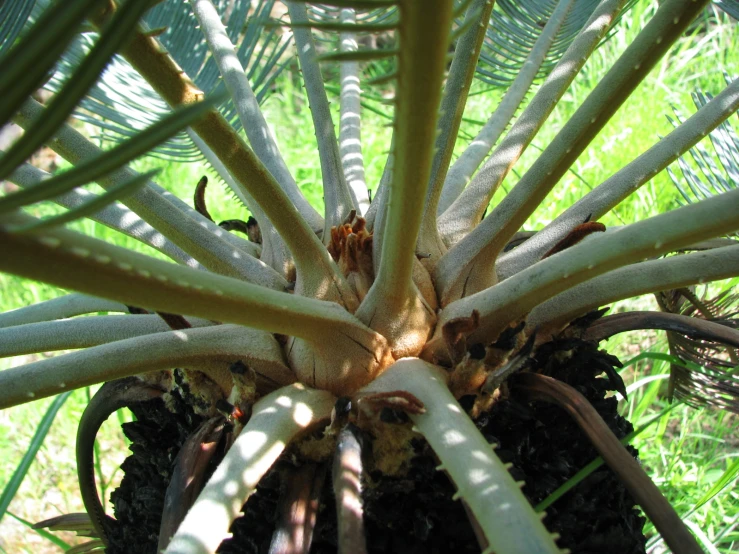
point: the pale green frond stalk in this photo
(252, 120)
(233, 239)
(275, 252)
(350, 141)
(69, 305)
(615, 189)
(212, 349)
(423, 29)
(512, 299)
(194, 237)
(81, 332)
(331, 349)
(642, 278)
(72, 260)
(483, 245)
(338, 197)
(115, 216)
(317, 274)
(276, 420)
(508, 521)
(461, 72)
(468, 162)
(320, 343)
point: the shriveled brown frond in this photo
(685, 325)
(112, 396)
(713, 378)
(81, 524)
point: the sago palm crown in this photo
(306, 326)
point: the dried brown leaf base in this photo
(415, 513)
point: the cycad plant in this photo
(306, 330)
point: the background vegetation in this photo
(686, 451)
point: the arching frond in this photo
(13, 16)
(718, 171)
(514, 28)
(175, 26)
(729, 6)
(709, 376)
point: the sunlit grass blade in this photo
(113, 159)
(659, 356)
(653, 386)
(44, 533)
(702, 537)
(724, 481)
(650, 386)
(673, 360)
(111, 40)
(38, 438)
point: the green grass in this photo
(686, 452)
